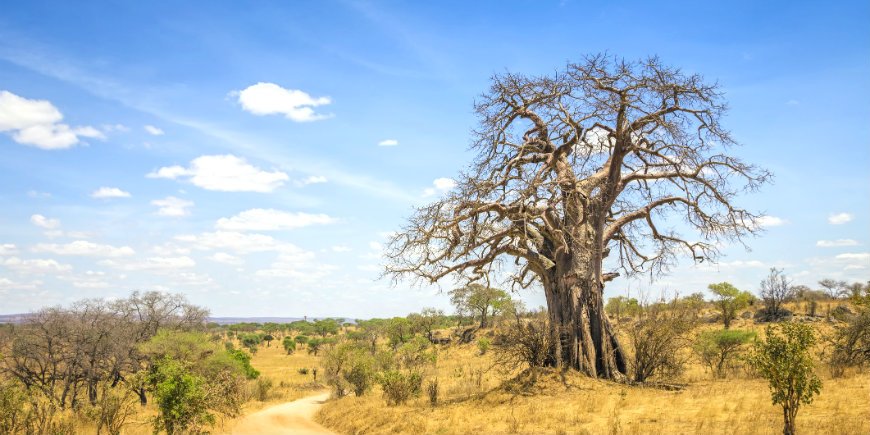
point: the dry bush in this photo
(526, 343)
(658, 342)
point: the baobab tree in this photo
(608, 159)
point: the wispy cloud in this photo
(840, 218)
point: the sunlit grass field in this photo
(476, 397)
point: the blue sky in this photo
(254, 157)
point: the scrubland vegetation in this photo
(151, 363)
(688, 373)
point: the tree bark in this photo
(586, 341)
(788, 417)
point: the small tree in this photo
(775, 290)
(268, 339)
(658, 341)
(289, 344)
(719, 349)
(729, 300)
(479, 301)
(622, 306)
(783, 358)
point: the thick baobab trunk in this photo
(575, 304)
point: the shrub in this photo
(111, 410)
(302, 370)
(181, 399)
(349, 366)
(13, 415)
(718, 350)
(400, 386)
(262, 388)
(526, 342)
(432, 391)
(483, 345)
(658, 340)
(244, 363)
(783, 359)
(850, 344)
(289, 345)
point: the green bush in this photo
(719, 350)
(783, 359)
(400, 386)
(181, 398)
(483, 345)
(302, 370)
(289, 345)
(349, 366)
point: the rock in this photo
(712, 318)
(763, 315)
(842, 313)
(746, 315)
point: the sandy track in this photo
(291, 418)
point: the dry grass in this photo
(574, 404)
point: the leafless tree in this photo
(776, 289)
(599, 160)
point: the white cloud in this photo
(313, 179)
(270, 99)
(8, 284)
(858, 256)
(839, 218)
(836, 243)
(223, 257)
(8, 249)
(770, 221)
(38, 194)
(36, 265)
(233, 241)
(153, 131)
(152, 263)
(172, 206)
(388, 143)
(109, 192)
(226, 173)
(85, 248)
(440, 185)
(37, 123)
(340, 248)
(44, 222)
(259, 219)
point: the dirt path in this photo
(291, 418)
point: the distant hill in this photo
(13, 318)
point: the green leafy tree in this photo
(181, 398)
(622, 306)
(268, 339)
(251, 341)
(289, 344)
(192, 378)
(398, 331)
(349, 366)
(479, 301)
(324, 327)
(783, 358)
(720, 349)
(729, 301)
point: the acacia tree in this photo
(730, 299)
(580, 166)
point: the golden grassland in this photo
(475, 397)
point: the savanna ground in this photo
(477, 397)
